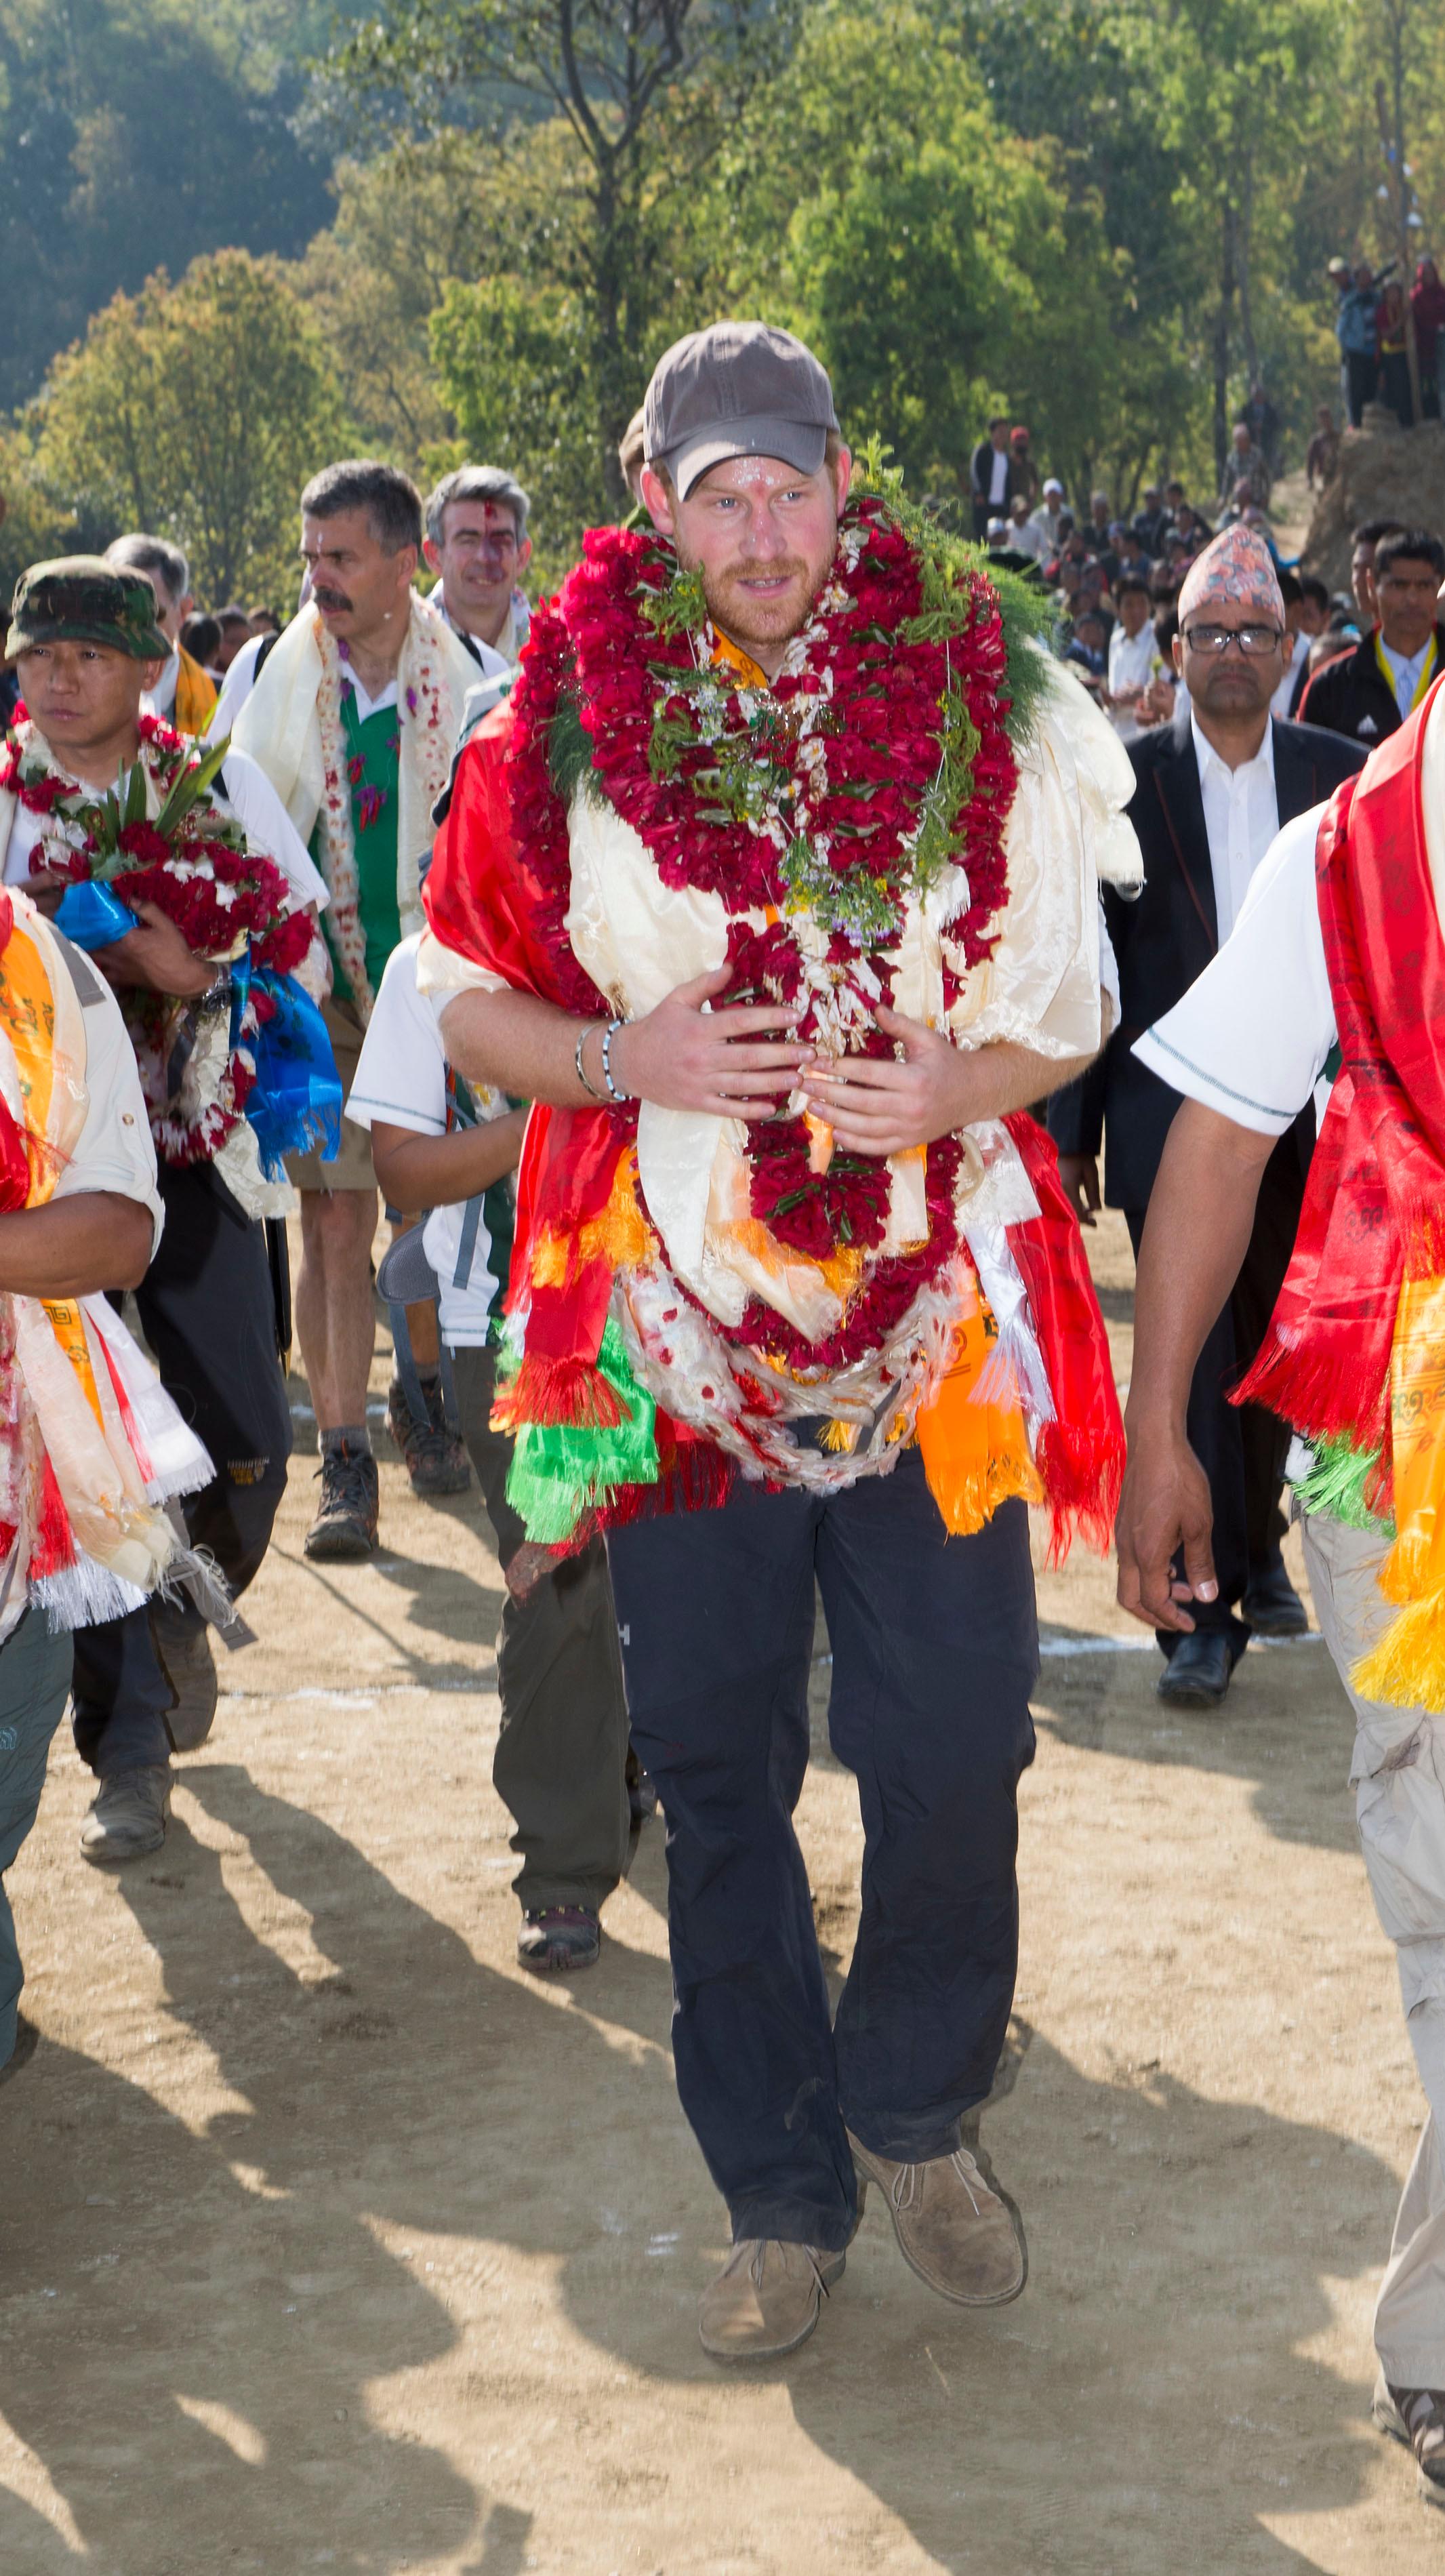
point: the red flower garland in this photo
(882, 734)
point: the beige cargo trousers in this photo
(1398, 1775)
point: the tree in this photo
(134, 134)
(938, 264)
(634, 97)
(198, 410)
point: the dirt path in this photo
(331, 2240)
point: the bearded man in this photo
(775, 884)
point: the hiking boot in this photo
(436, 1459)
(558, 1938)
(766, 2299)
(345, 1524)
(953, 2225)
(1416, 2417)
(183, 1651)
(27, 2040)
(128, 1817)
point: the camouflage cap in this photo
(82, 600)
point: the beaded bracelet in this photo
(609, 1033)
(590, 1088)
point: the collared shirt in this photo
(1408, 678)
(366, 707)
(505, 652)
(1132, 658)
(1279, 704)
(160, 700)
(1241, 818)
(998, 478)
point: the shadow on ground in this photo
(256, 2280)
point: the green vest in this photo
(373, 750)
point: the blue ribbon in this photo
(93, 915)
(296, 1102)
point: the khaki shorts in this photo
(352, 1167)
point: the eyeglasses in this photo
(1218, 639)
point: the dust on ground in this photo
(331, 2239)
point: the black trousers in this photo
(1242, 1448)
(1362, 374)
(935, 1651)
(561, 1760)
(208, 1311)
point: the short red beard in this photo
(748, 620)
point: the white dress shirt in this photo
(1132, 658)
(1241, 818)
(1279, 704)
(160, 700)
(1405, 674)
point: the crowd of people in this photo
(1374, 319)
(726, 977)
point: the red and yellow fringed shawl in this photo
(630, 1391)
(1355, 1352)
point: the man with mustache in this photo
(352, 712)
(774, 886)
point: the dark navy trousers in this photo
(935, 1651)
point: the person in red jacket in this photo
(1427, 304)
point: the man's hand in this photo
(877, 1105)
(155, 956)
(732, 1064)
(1165, 1506)
(1080, 1176)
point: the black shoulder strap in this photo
(259, 665)
(89, 989)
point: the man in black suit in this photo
(1368, 694)
(1212, 790)
(993, 477)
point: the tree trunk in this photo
(1243, 240)
(1222, 326)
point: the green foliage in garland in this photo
(945, 562)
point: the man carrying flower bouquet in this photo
(776, 887)
(197, 902)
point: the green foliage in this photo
(1103, 216)
(512, 363)
(198, 410)
(134, 134)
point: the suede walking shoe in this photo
(436, 1458)
(129, 1814)
(766, 2300)
(954, 2227)
(344, 1529)
(1416, 2417)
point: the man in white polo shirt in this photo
(1338, 946)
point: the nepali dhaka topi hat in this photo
(1237, 569)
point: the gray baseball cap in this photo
(736, 389)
